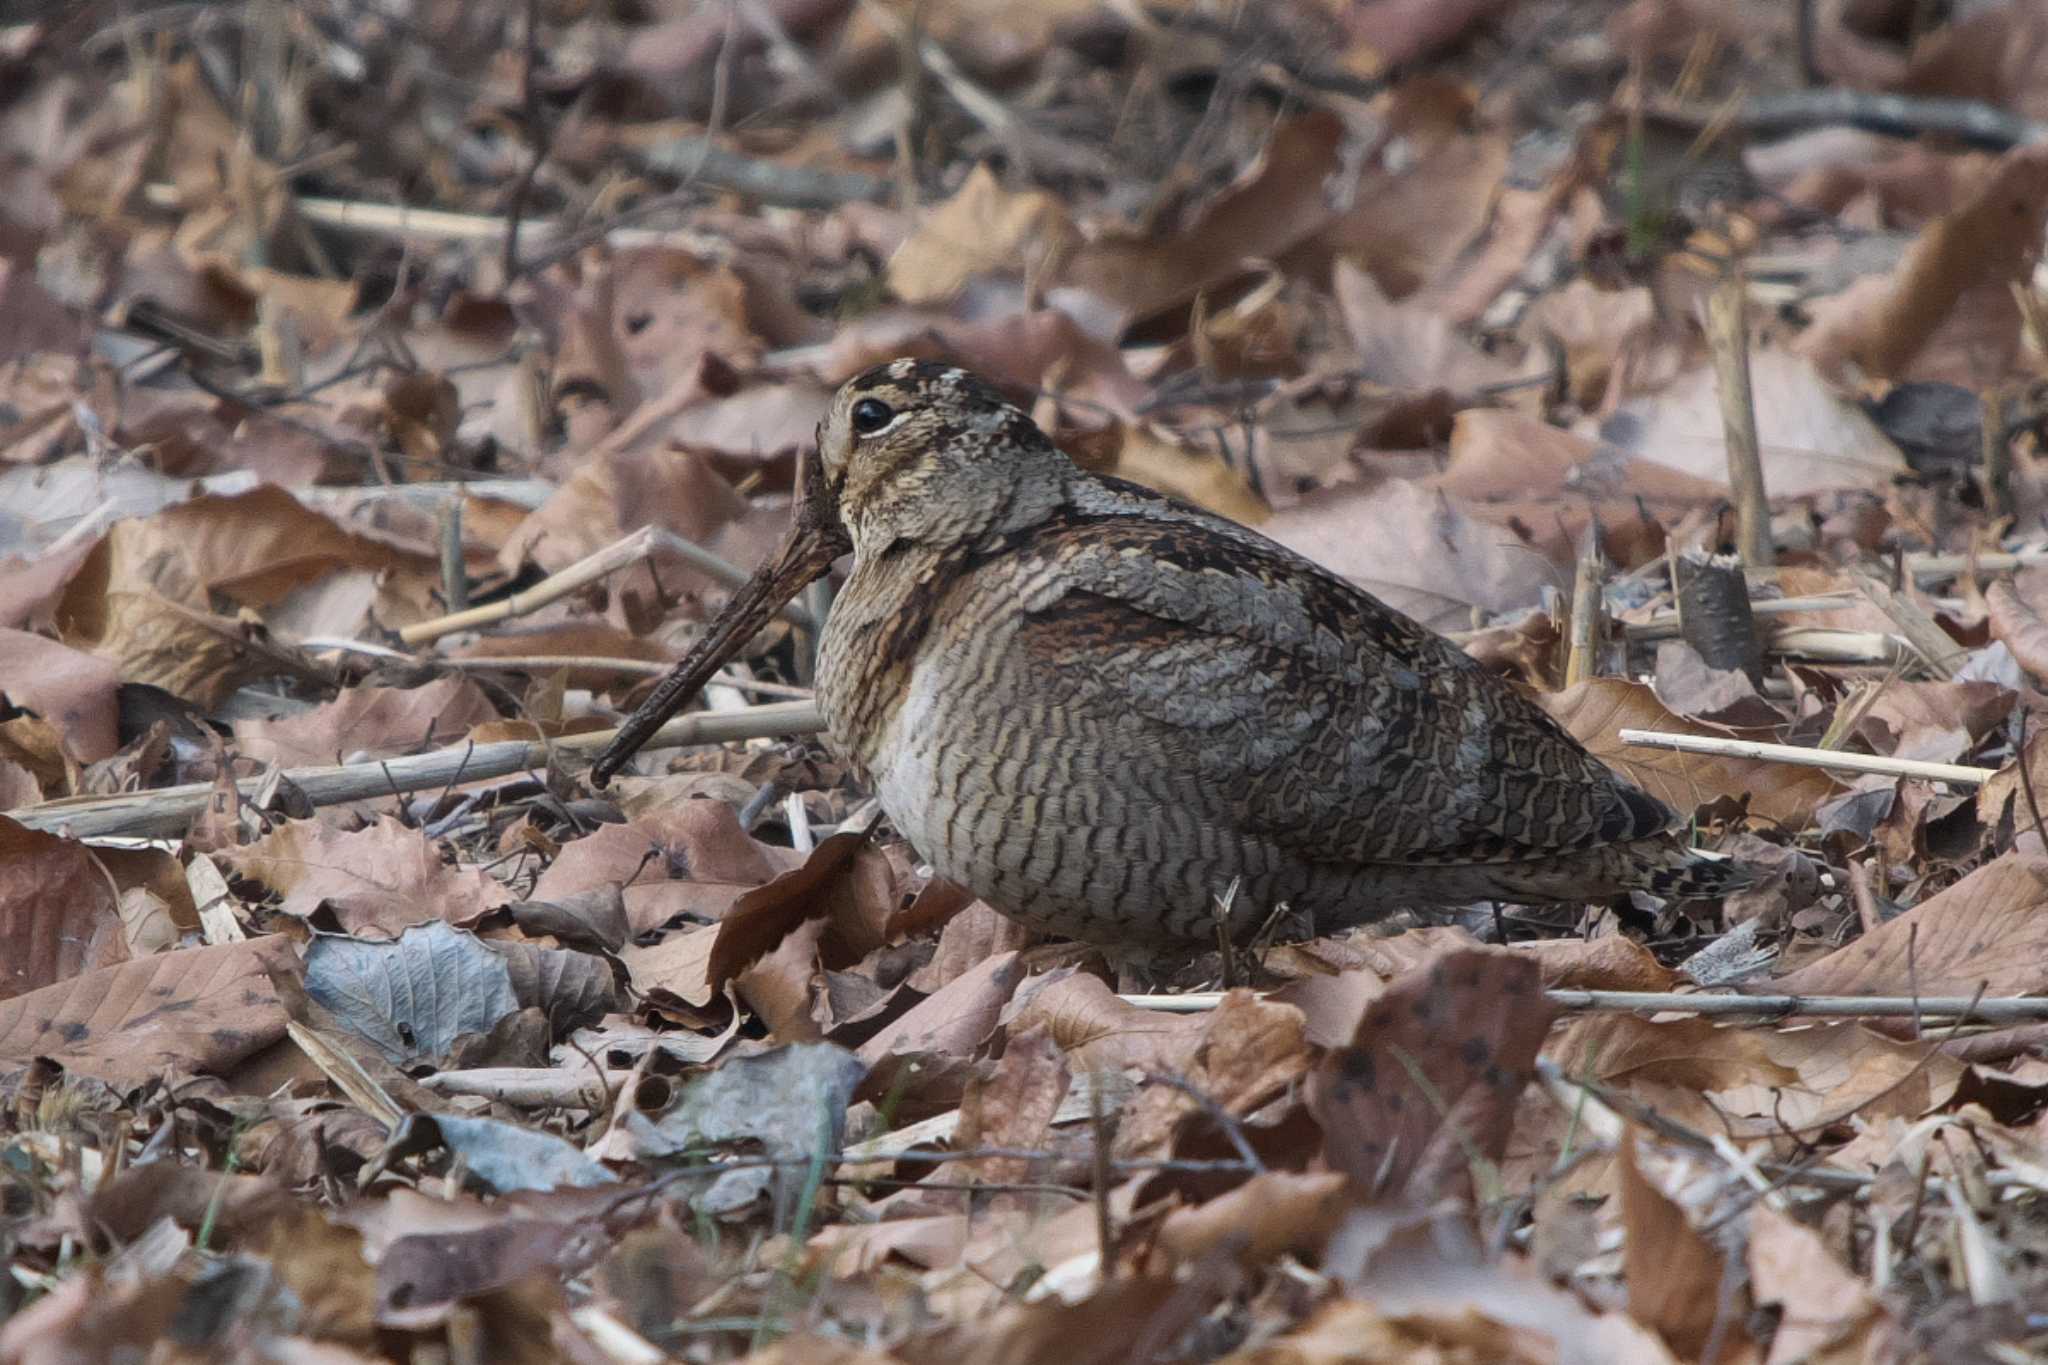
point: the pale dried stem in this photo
(2000, 1010)
(1941, 566)
(1834, 759)
(1838, 646)
(168, 812)
(604, 663)
(1929, 640)
(454, 571)
(1728, 337)
(1997, 457)
(1589, 619)
(533, 1087)
(1664, 625)
(623, 554)
(1865, 899)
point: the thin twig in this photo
(528, 663)
(167, 812)
(621, 554)
(1809, 758)
(1224, 1120)
(2003, 1009)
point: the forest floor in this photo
(390, 391)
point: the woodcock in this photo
(1097, 708)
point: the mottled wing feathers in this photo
(1350, 733)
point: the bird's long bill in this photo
(806, 553)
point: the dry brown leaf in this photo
(1550, 486)
(1593, 712)
(604, 498)
(1425, 192)
(1407, 346)
(694, 839)
(1277, 203)
(1336, 978)
(18, 786)
(91, 1316)
(1607, 963)
(1668, 1264)
(1313, 431)
(1427, 1088)
(1016, 350)
(194, 655)
(675, 311)
(955, 1019)
(1146, 455)
(1352, 1331)
(2004, 795)
(1272, 1213)
(1668, 1065)
(983, 229)
(844, 882)
(377, 881)
(1812, 438)
(1419, 550)
(1826, 1309)
(73, 691)
(1013, 1108)
(251, 548)
(1244, 1056)
(193, 1010)
(1100, 1330)
(369, 722)
(1966, 260)
(34, 745)
(930, 1242)
(1988, 931)
(1844, 1070)
(1428, 1275)
(59, 911)
(1098, 1031)
(2016, 619)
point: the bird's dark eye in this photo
(870, 415)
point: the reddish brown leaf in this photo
(844, 882)
(193, 1010)
(59, 911)
(382, 879)
(1668, 1265)
(1989, 931)
(1429, 1083)
(71, 690)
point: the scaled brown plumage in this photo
(1097, 708)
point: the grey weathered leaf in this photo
(790, 1101)
(414, 996)
(507, 1156)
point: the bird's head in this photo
(909, 453)
(922, 452)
